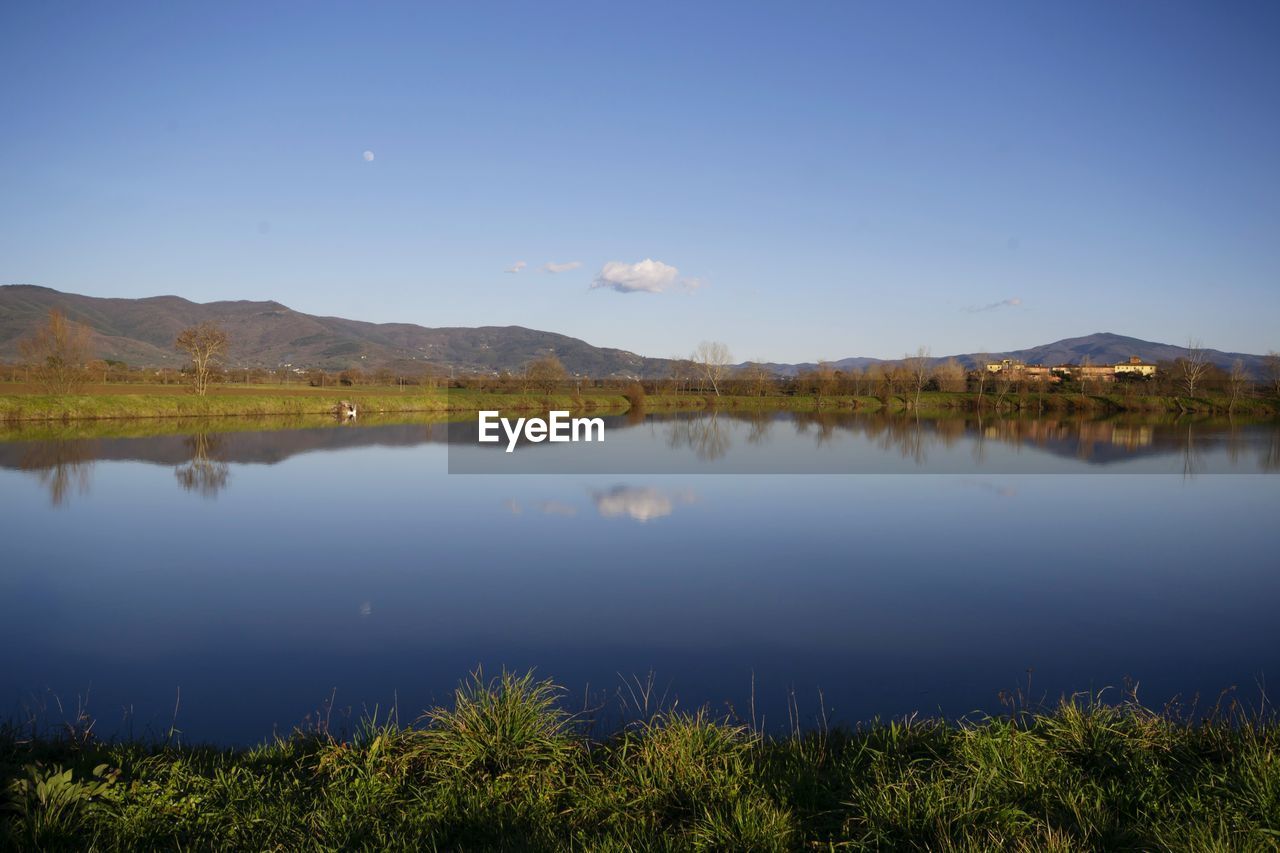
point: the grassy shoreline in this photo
(33, 407)
(262, 402)
(504, 768)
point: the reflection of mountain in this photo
(243, 448)
(780, 441)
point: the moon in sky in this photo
(368, 156)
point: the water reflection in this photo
(726, 442)
(705, 435)
(60, 466)
(881, 590)
(204, 473)
(638, 503)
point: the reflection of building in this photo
(1081, 433)
(1135, 366)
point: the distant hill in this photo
(267, 334)
(1099, 348)
(1110, 348)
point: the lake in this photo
(774, 565)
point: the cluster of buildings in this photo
(1135, 367)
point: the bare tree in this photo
(919, 369)
(680, 371)
(712, 361)
(950, 376)
(755, 378)
(545, 374)
(204, 344)
(1237, 381)
(1193, 367)
(821, 381)
(1086, 374)
(1272, 366)
(983, 374)
(56, 354)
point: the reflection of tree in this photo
(826, 423)
(204, 473)
(1271, 452)
(1191, 461)
(704, 434)
(761, 424)
(59, 464)
(913, 445)
(980, 442)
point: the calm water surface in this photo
(887, 566)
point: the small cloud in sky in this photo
(368, 156)
(516, 267)
(647, 276)
(553, 267)
(1012, 302)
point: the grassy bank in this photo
(503, 768)
(36, 407)
(952, 401)
(105, 402)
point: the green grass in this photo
(107, 402)
(36, 407)
(506, 768)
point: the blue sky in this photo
(810, 180)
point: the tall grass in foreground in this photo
(506, 768)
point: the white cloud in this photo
(516, 267)
(647, 276)
(1012, 302)
(368, 156)
(552, 267)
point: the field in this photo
(505, 768)
(18, 403)
(22, 402)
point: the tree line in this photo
(57, 357)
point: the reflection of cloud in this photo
(513, 507)
(553, 267)
(516, 267)
(556, 508)
(641, 504)
(366, 609)
(994, 488)
(1012, 302)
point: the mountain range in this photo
(141, 332)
